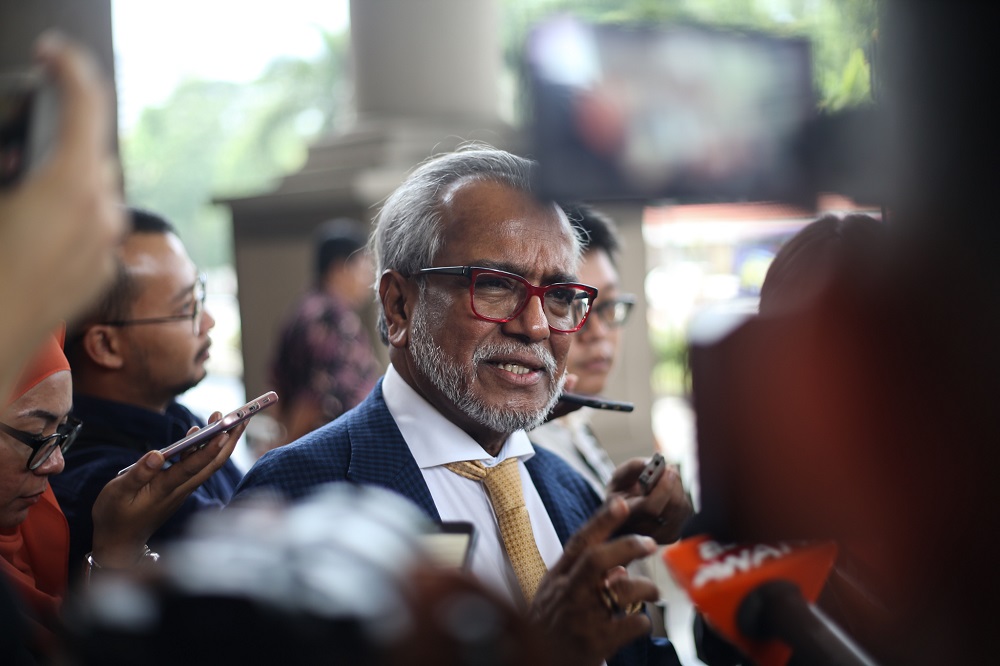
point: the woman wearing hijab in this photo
(35, 429)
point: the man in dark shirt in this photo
(145, 344)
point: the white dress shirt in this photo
(434, 442)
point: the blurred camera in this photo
(28, 118)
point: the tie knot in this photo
(477, 471)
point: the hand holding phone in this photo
(225, 424)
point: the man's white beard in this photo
(455, 381)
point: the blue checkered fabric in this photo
(362, 446)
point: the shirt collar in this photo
(432, 438)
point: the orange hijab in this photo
(34, 555)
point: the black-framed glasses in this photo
(614, 312)
(43, 447)
(499, 296)
(194, 316)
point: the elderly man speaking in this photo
(478, 304)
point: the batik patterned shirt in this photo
(325, 352)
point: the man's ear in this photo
(398, 298)
(103, 346)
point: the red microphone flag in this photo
(717, 577)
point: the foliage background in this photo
(214, 139)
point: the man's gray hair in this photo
(408, 231)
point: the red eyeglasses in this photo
(499, 296)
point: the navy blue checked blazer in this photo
(364, 446)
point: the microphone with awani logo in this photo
(760, 597)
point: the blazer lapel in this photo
(568, 507)
(379, 455)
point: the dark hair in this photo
(597, 231)
(147, 222)
(852, 247)
(336, 241)
(117, 300)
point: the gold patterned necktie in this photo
(503, 487)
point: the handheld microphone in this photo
(759, 597)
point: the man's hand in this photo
(570, 603)
(658, 514)
(134, 505)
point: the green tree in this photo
(213, 139)
(841, 31)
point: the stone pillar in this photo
(426, 80)
(433, 59)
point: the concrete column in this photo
(434, 59)
(426, 79)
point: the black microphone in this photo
(777, 610)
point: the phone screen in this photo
(452, 545)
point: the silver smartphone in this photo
(29, 115)
(226, 423)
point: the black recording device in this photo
(596, 402)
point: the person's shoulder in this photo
(322, 455)
(553, 465)
(294, 469)
(558, 476)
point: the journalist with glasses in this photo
(142, 346)
(36, 430)
(479, 301)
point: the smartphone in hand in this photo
(225, 424)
